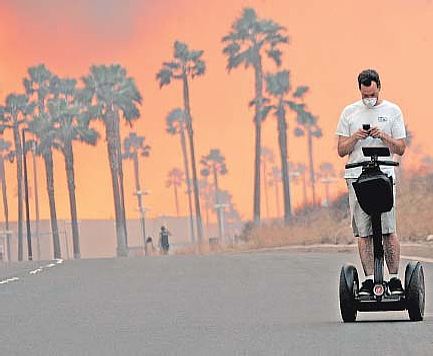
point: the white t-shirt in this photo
(386, 116)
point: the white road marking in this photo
(6, 281)
(40, 269)
(35, 271)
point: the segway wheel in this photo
(415, 290)
(348, 288)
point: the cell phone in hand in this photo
(366, 127)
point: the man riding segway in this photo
(373, 128)
(372, 122)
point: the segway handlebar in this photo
(376, 163)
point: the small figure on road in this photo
(163, 240)
(149, 249)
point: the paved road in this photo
(273, 303)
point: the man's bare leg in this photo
(365, 247)
(391, 247)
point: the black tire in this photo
(410, 268)
(348, 288)
(415, 291)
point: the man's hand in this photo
(346, 144)
(375, 132)
(361, 134)
(397, 146)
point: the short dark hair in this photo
(367, 76)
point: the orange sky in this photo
(330, 43)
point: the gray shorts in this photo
(361, 222)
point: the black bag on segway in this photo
(374, 191)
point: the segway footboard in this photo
(385, 304)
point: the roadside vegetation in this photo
(331, 225)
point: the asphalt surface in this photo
(270, 303)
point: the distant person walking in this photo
(163, 240)
(149, 249)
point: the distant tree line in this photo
(57, 112)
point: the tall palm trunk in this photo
(217, 203)
(265, 185)
(277, 199)
(304, 188)
(205, 198)
(5, 206)
(18, 156)
(48, 159)
(113, 161)
(188, 182)
(69, 164)
(192, 153)
(139, 197)
(310, 156)
(282, 141)
(207, 215)
(35, 188)
(26, 197)
(258, 71)
(120, 176)
(257, 178)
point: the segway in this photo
(374, 191)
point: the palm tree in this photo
(186, 64)
(31, 146)
(13, 116)
(278, 86)
(175, 178)
(42, 127)
(214, 164)
(267, 157)
(308, 127)
(133, 147)
(207, 196)
(5, 153)
(176, 124)
(71, 121)
(40, 86)
(249, 40)
(274, 181)
(327, 176)
(112, 95)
